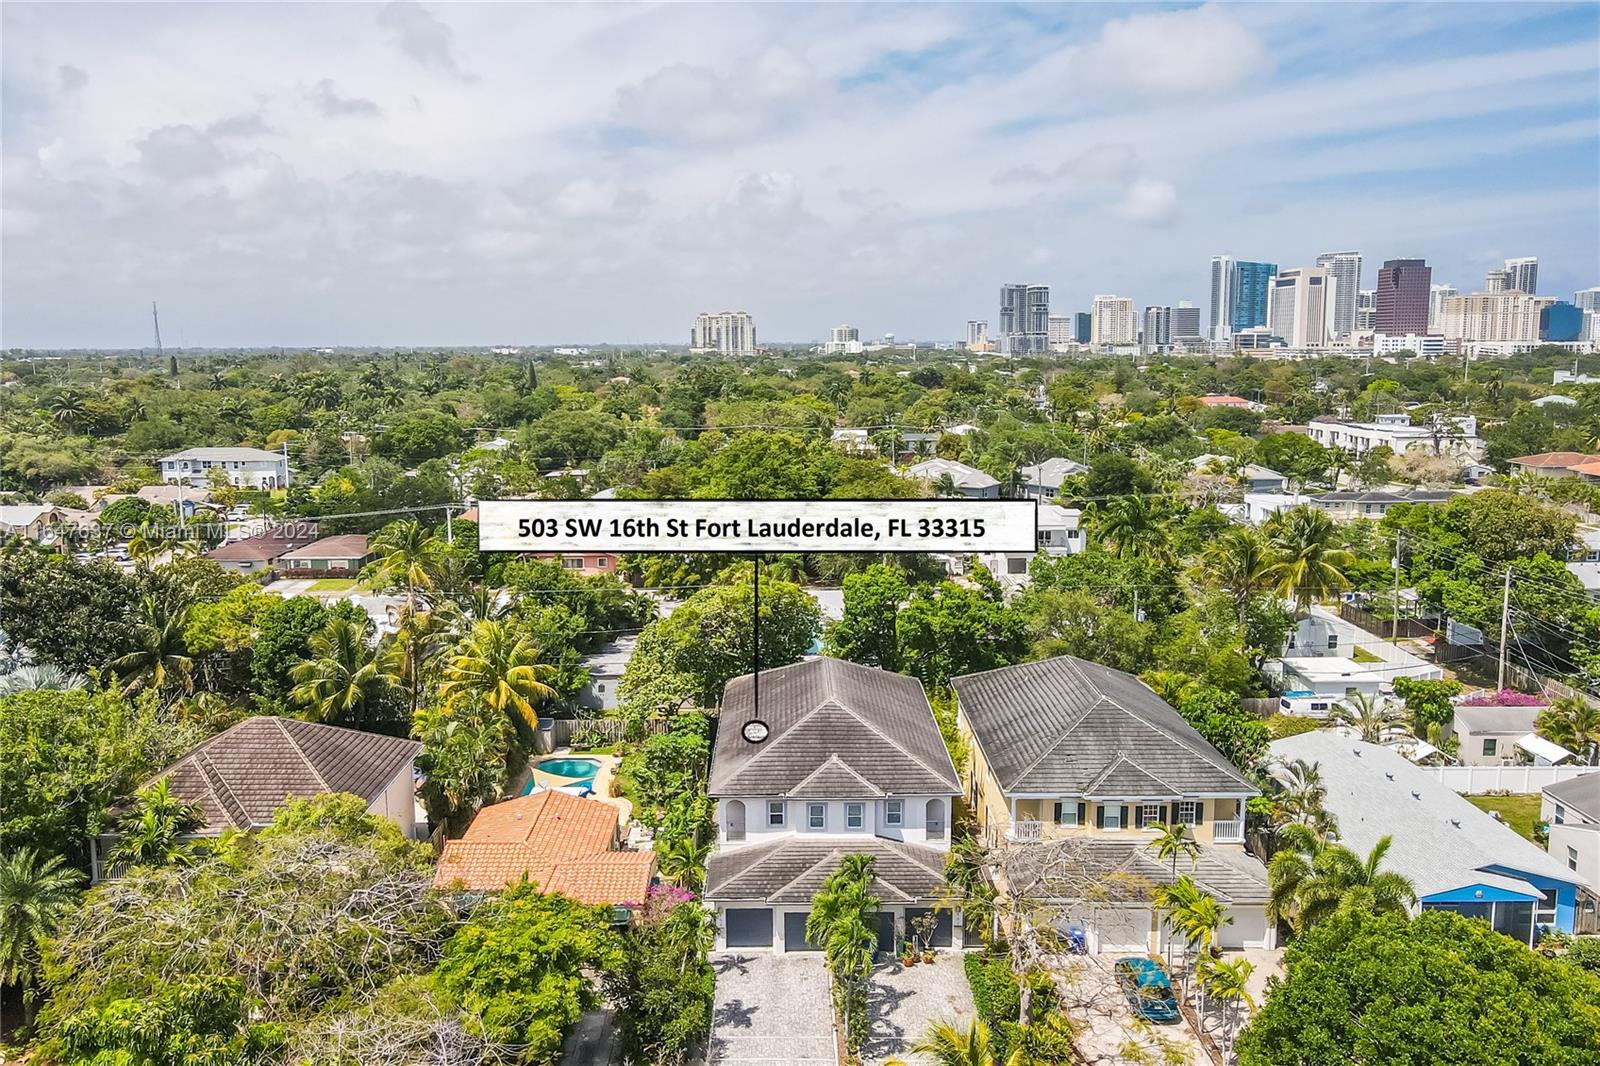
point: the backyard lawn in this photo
(1519, 812)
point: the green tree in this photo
(520, 968)
(1438, 988)
(409, 556)
(1574, 723)
(1310, 565)
(1311, 879)
(843, 922)
(1240, 736)
(463, 763)
(1241, 563)
(1294, 454)
(152, 831)
(343, 680)
(501, 669)
(1373, 718)
(663, 987)
(950, 630)
(190, 1023)
(283, 631)
(1427, 701)
(36, 894)
(427, 436)
(160, 658)
(866, 632)
(1128, 526)
(945, 1045)
(75, 615)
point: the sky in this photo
(430, 174)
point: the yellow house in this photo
(1066, 747)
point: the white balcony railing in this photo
(1027, 830)
(1228, 832)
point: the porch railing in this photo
(1027, 830)
(1228, 832)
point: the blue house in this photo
(1458, 857)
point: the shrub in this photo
(1289, 725)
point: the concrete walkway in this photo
(904, 1003)
(771, 1010)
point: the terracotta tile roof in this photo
(1220, 400)
(341, 546)
(559, 841)
(241, 776)
(269, 545)
(1555, 460)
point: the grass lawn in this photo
(1519, 812)
(333, 584)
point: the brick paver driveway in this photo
(905, 1002)
(771, 1010)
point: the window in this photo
(601, 687)
(894, 812)
(1350, 692)
(602, 562)
(816, 816)
(1112, 816)
(1572, 858)
(775, 813)
(1489, 746)
(1186, 812)
(572, 564)
(1151, 813)
(1072, 534)
(855, 815)
(1333, 641)
(1561, 814)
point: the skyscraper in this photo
(725, 332)
(1114, 321)
(1403, 288)
(1060, 330)
(1221, 297)
(1437, 295)
(1024, 318)
(843, 340)
(1587, 299)
(977, 333)
(1497, 281)
(1523, 274)
(1157, 327)
(1345, 269)
(1300, 306)
(1506, 315)
(1238, 294)
(1366, 309)
(1082, 326)
(1185, 323)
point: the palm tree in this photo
(1574, 723)
(408, 556)
(149, 541)
(945, 1045)
(67, 409)
(43, 677)
(161, 656)
(1374, 718)
(419, 639)
(502, 668)
(683, 861)
(1299, 798)
(1310, 567)
(152, 832)
(1228, 982)
(463, 763)
(36, 894)
(342, 680)
(1311, 879)
(1242, 562)
(1170, 842)
(1129, 526)
(842, 920)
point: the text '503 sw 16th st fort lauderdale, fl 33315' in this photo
(758, 525)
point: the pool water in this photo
(581, 768)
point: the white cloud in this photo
(1172, 52)
(419, 34)
(1149, 201)
(327, 100)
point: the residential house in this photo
(1311, 685)
(1224, 400)
(584, 564)
(1557, 465)
(1059, 533)
(252, 555)
(175, 495)
(31, 521)
(565, 844)
(1345, 506)
(1455, 435)
(1571, 809)
(1584, 562)
(1322, 633)
(1260, 506)
(1066, 748)
(969, 481)
(242, 776)
(856, 441)
(1042, 481)
(606, 666)
(1489, 736)
(1457, 857)
(250, 468)
(835, 759)
(338, 556)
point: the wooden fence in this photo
(1414, 628)
(1261, 706)
(611, 730)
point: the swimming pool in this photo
(575, 768)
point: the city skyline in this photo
(404, 174)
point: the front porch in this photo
(1209, 821)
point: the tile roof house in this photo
(338, 556)
(850, 761)
(1066, 749)
(563, 843)
(1571, 809)
(1556, 464)
(254, 554)
(241, 777)
(969, 481)
(1457, 857)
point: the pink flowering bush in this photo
(1506, 697)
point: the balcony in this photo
(1228, 832)
(1027, 830)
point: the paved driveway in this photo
(1106, 1025)
(771, 1010)
(905, 1002)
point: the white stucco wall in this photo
(398, 803)
(913, 830)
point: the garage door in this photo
(1119, 930)
(794, 932)
(943, 933)
(749, 927)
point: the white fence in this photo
(1476, 780)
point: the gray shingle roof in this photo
(964, 476)
(1582, 794)
(1441, 842)
(1126, 869)
(241, 776)
(1518, 720)
(793, 868)
(1050, 473)
(1066, 726)
(836, 729)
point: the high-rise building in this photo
(1503, 316)
(1186, 323)
(977, 333)
(1300, 307)
(724, 332)
(1523, 274)
(1157, 327)
(1221, 297)
(1060, 330)
(1587, 299)
(1497, 281)
(1114, 321)
(1345, 269)
(1437, 295)
(1024, 318)
(1082, 326)
(1403, 287)
(1238, 295)
(1366, 309)
(1561, 321)
(843, 340)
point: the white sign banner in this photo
(758, 525)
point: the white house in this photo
(969, 481)
(1449, 435)
(1489, 736)
(1042, 481)
(606, 666)
(1060, 533)
(1323, 634)
(835, 759)
(1312, 685)
(1571, 809)
(246, 467)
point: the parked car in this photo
(1149, 992)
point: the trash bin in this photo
(547, 736)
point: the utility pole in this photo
(1394, 623)
(1505, 622)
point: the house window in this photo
(1572, 858)
(1072, 534)
(1350, 691)
(1112, 816)
(572, 564)
(894, 812)
(1333, 641)
(1561, 814)
(816, 816)
(1186, 812)
(775, 813)
(855, 815)
(1152, 813)
(1066, 813)
(602, 562)
(601, 687)
(1489, 746)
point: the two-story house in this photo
(250, 468)
(1059, 533)
(1068, 748)
(832, 759)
